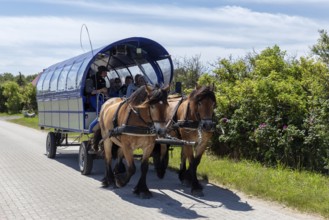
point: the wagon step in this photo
(174, 141)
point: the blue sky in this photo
(38, 33)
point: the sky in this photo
(34, 34)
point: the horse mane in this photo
(147, 95)
(158, 94)
(138, 97)
(202, 92)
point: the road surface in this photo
(35, 187)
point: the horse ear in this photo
(166, 88)
(197, 86)
(148, 89)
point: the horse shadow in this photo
(170, 197)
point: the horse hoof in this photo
(161, 174)
(119, 183)
(197, 193)
(136, 191)
(105, 184)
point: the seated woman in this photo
(139, 81)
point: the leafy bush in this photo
(12, 92)
(273, 110)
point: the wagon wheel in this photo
(51, 145)
(85, 159)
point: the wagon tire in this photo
(51, 145)
(85, 159)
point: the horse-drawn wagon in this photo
(64, 107)
(61, 98)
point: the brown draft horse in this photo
(131, 124)
(192, 120)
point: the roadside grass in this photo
(301, 190)
(29, 122)
(305, 191)
(33, 123)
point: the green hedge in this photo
(273, 109)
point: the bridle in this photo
(192, 124)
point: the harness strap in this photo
(138, 130)
(115, 118)
(186, 112)
(174, 117)
(139, 116)
(186, 124)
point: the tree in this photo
(3, 100)
(6, 77)
(188, 71)
(322, 47)
(11, 91)
(29, 98)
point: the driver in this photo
(97, 85)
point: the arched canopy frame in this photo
(129, 56)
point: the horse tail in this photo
(97, 137)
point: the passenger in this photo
(139, 81)
(123, 88)
(98, 86)
(114, 87)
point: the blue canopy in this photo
(129, 56)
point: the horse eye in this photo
(199, 103)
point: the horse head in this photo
(154, 99)
(202, 105)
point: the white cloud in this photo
(29, 44)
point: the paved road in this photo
(35, 187)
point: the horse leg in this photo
(119, 167)
(120, 180)
(141, 188)
(196, 187)
(160, 159)
(108, 177)
(186, 153)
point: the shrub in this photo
(273, 110)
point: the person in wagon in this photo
(114, 87)
(139, 81)
(123, 89)
(98, 86)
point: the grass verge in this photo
(304, 191)
(29, 122)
